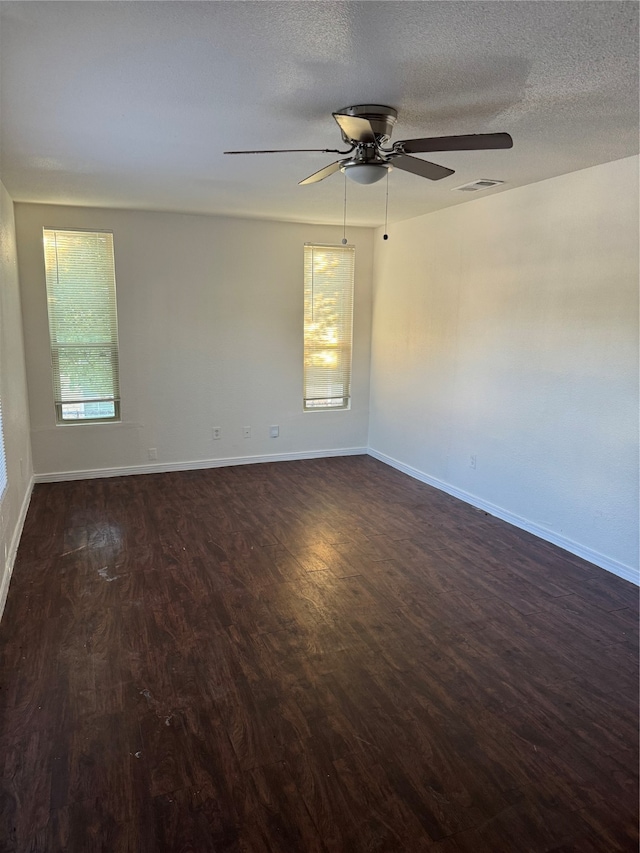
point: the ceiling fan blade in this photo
(421, 167)
(354, 128)
(290, 151)
(322, 174)
(470, 142)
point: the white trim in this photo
(165, 467)
(600, 560)
(610, 565)
(13, 547)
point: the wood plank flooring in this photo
(309, 656)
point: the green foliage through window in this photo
(81, 296)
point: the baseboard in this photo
(600, 560)
(13, 547)
(166, 467)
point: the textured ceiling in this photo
(122, 104)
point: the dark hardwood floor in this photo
(309, 656)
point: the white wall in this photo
(210, 325)
(13, 392)
(507, 329)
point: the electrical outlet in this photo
(216, 432)
(246, 432)
(472, 461)
(153, 454)
(274, 431)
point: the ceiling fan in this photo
(367, 129)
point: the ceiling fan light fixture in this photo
(365, 173)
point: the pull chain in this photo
(386, 210)
(344, 218)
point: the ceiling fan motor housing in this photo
(381, 118)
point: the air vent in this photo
(475, 186)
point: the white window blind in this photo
(328, 326)
(83, 325)
(3, 458)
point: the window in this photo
(328, 326)
(3, 459)
(81, 295)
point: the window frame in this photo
(346, 346)
(113, 346)
(4, 473)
